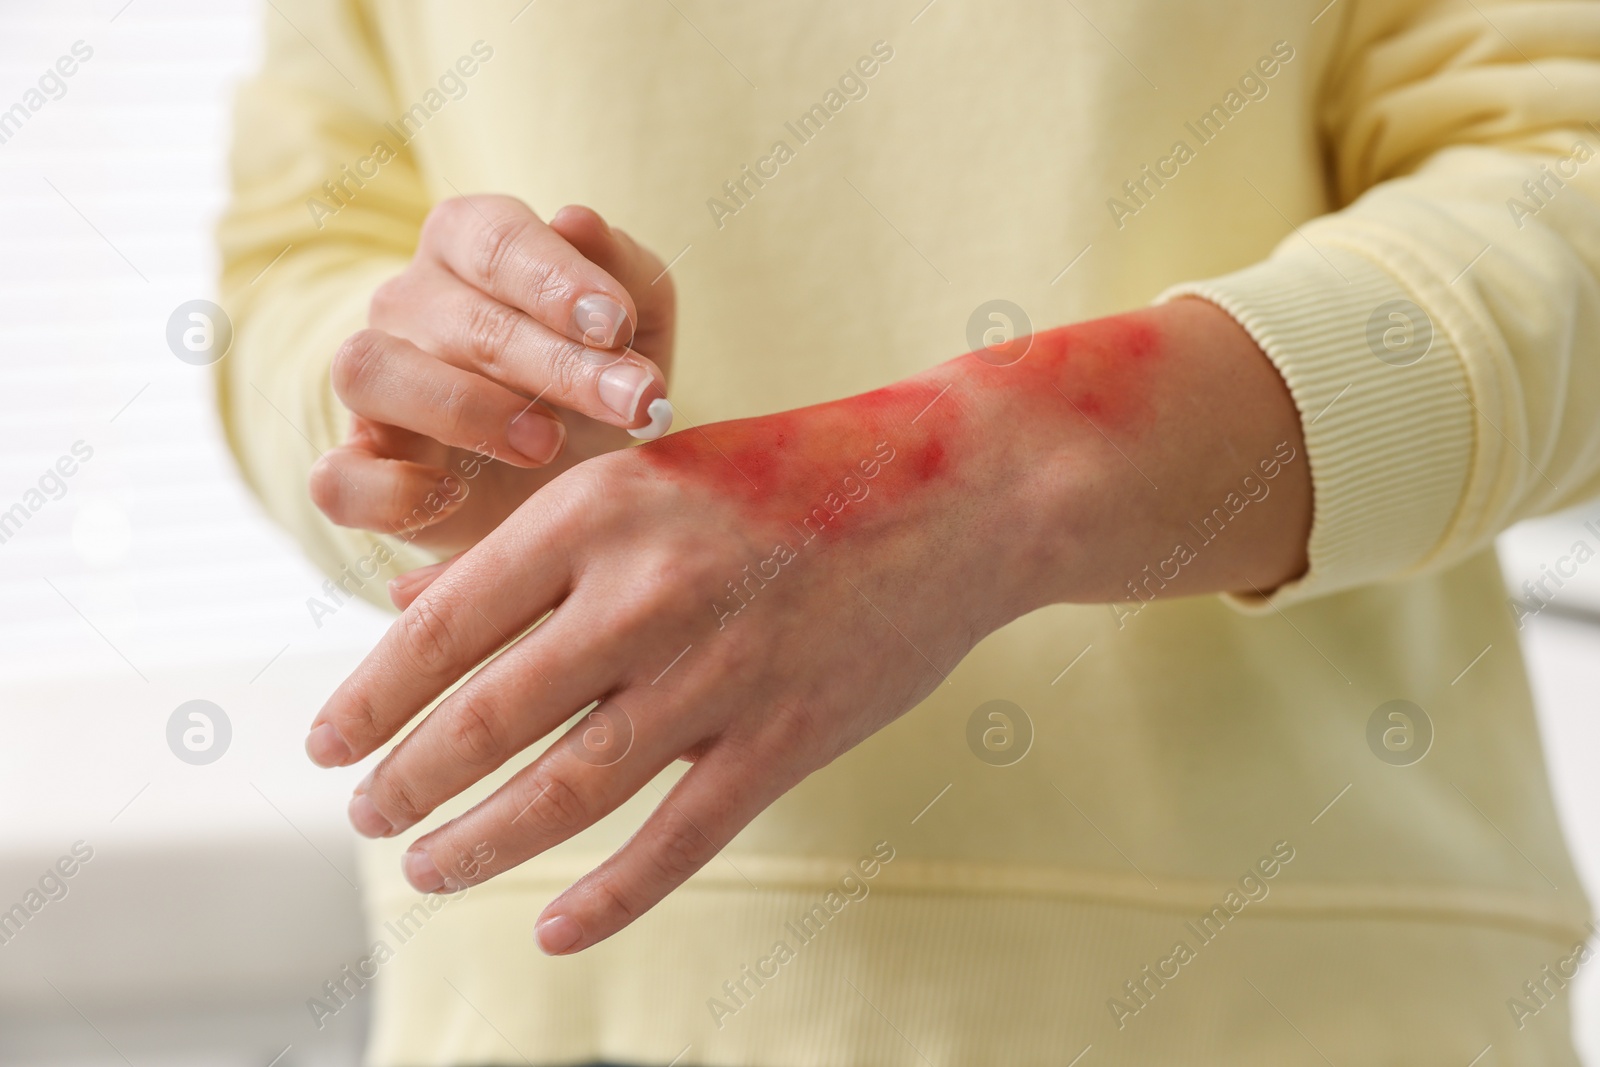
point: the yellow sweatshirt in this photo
(1199, 830)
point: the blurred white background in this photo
(219, 898)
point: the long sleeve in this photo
(326, 204)
(1439, 332)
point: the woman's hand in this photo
(498, 319)
(759, 596)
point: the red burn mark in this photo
(785, 465)
(1096, 370)
(928, 460)
(782, 466)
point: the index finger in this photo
(487, 598)
(498, 245)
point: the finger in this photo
(710, 804)
(476, 332)
(519, 697)
(389, 380)
(492, 593)
(497, 244)
(355, 488)
(391, 442)
(408, 586)
(572, 785)
(639, 270)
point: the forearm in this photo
(1152, 453)
(1059, 476)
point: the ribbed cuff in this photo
(1383, 401)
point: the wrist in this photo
(1155, 453)
(1030, 431)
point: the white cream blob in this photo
(660, 412)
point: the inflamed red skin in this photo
(790, 465)
(759, 596)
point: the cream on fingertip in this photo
(660, 412)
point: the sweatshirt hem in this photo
(725, 975)
(1410, 902)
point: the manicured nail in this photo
(627, 389)
(367, 819)
(557, 934)
(409, 582)
(421, 873)
(660, 412)
(325, 747)
(599, 320)
(537, 436)
(404, 584)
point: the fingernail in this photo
(599, 319)
(557, 934)
(537, 436)
(413, 578)
(403, 584)
(325, 747)
(367, 819)
(627, 389)
(421, 873)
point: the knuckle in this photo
(498, 255)
(473, 863)
(356, 362)
(542, 278)
(568, 366)
(426, 634)
(678, 852)
(556, 809)
(490, 328)
(794, 728)
(667, 574)
(453, 408)
(357, 722)
(400, 799)
(618, 901)
(659, 591)
(473, 731)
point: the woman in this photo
(1137, 687)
